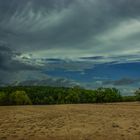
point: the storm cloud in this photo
(57, 82)
(8, 61)
(86, 27)
(70, 35)
(122, 82)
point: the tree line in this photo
(42, 95)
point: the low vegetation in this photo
(41, 95)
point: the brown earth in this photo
(117, 121)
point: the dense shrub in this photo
(3, 98)
(19, 98)
(137, 93)
(107, 95)
(129, 98)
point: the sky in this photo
(89, 43)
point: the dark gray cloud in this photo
(8, 61)
(10, 66)
(122, 82)
(92, 58)
(67, 65)
(72, 35)
(56, 82)
(63, 24)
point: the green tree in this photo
(2, 98)
(19, 98)
(72, 97)
(107, 95)
(137, 93)
(49, 100)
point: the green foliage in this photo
(137, 93)
(19, 98)
(107, 95)
(129, 98)
(40, 95)
(72, 97)
(2, 98)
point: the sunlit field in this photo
(115, 121)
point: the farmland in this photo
(117, 121)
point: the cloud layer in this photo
(67, 28)
(69, 35)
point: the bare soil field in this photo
(117, 121)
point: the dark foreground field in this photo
(120, 121)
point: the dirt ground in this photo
(118, 121)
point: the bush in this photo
(137, 93)
(129, 98)
(72, 97)
(19, 98)
(104, 95)
(3, 98)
